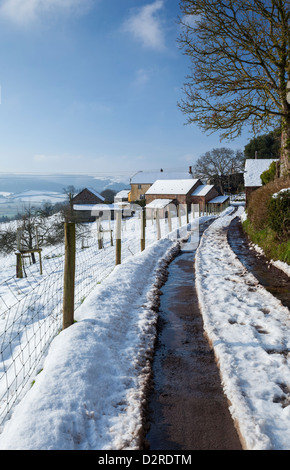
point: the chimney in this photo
(161, 170)
(256, 155)
(190, 170)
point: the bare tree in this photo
(239, 52)
(214, 165)
(36, 230)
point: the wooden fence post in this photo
(19, 270)
(111, 231)
(143, 228)
(158, 224)
(169, 220)
(69, 274)
(118, 236)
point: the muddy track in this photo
(273, 279)
(186, 409)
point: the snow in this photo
(275, 195)
(253, 170)
(149, 177)
(218, 200)
(249, 331)
(122, 194)
(178, 186)
(90, 391)
(93, 191)
(37, 196)
(159, 203)
(93, 207)
(202, 190)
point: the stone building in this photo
(203, 194)
(143, 180)
(179, 191)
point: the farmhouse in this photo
(252, 175)
(179, 191)
(85, 202)
(142, 181)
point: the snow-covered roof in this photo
(96, 193)
(174, 186)
(218, 200)
(93, 207)
(158, 203)
(202, 190)
(122, 194)
(253, 170)
(149, 177)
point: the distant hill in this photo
(18, 183)
(17, 192)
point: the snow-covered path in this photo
(249, 331)
(90, 392)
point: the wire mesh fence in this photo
(31, 308)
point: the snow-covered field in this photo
(31, 308)
(90, 391)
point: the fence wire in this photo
(31, 307)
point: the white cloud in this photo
(26, 11)
(142, 77)
(146, 26)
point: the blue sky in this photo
(91, 86)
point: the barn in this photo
(84, 203)
(203, 194)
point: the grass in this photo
(267, 239)
(260, 220)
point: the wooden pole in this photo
(118, 236)
(169, 220)
(111, 231)
(40, 261)
(158, 224)
(179, 215)
(19, 270)
(69, 274)
(143, 228)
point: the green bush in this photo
(269, 175)
(279, 214)
(268, 222)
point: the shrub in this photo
(269, 175)
(260, 199)
(279, 214)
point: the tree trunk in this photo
(285, 146)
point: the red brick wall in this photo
(203, 200)
(177, 198)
